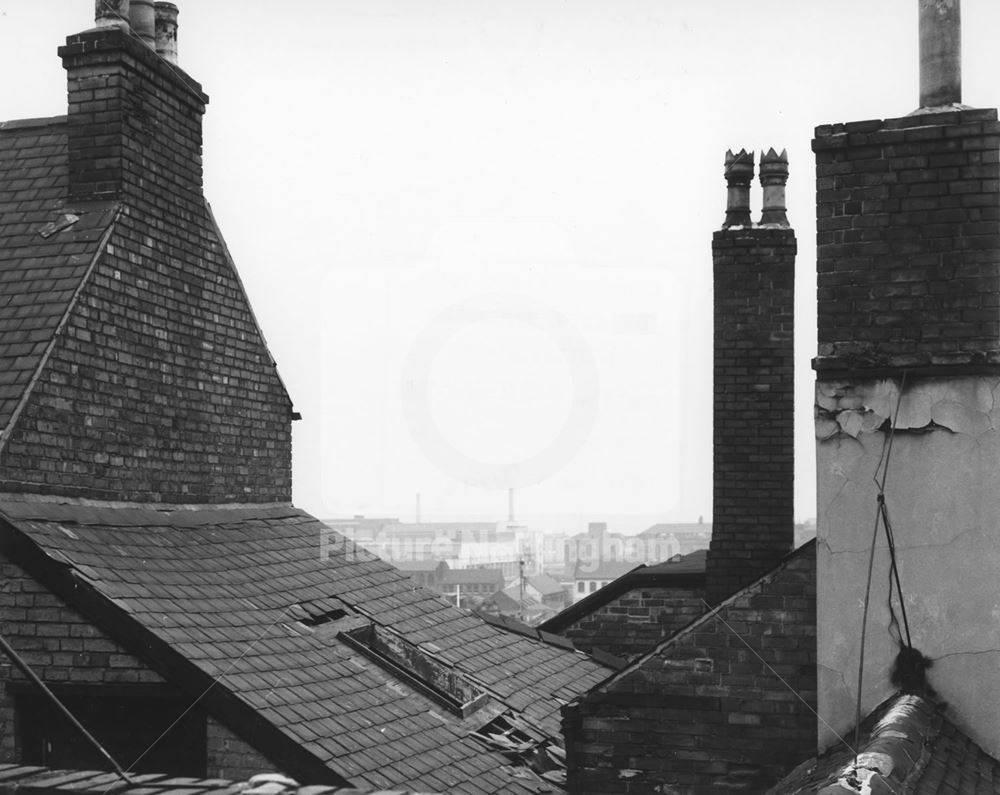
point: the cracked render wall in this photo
(943, 498)
(909, 287)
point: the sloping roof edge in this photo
(639, 577)
(161, 657)
(249, 305)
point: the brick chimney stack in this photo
(908, 274)
(134, 119)
(753, 472)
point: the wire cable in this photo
(24, 668)
(714, 611)
(880, 514)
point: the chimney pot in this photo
(143, 20)
(773, 177)
(940, 53)
(739, 173)
(166, 31)
(111, 13)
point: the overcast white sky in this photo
(477, 234)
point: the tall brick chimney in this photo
(134, 119)
(907, 378)
(754, 277)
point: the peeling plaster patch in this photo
(826, 428)
(854, 409)
(851, 422)
(960, 418)
(914, 411)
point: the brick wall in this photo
(753, 415)
(908, 242)
(160, 388)
(232, 758)
(636, 621)
(702, 713)
(135, 122)
(63, 648)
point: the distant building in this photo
(675, 539)
(428, 573)
(588, 578)
(462, 545)
(548, 590)
(469, 587)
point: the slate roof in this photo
(545, 585)
(666, 528)
(908, 746)
(692, 563)
(44, 253)
(419, 565)
(27, 780)
(214, 593)
(604, 570)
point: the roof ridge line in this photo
(36, 498)
(907, 720)
(56, 336)
(934, 730)
(40, 121)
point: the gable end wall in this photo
(160, 388)
(702, 714)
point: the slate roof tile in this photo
(39, 276)
(219, 585)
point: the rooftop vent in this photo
(940, 53)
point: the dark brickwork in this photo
(753, 419)
(636, 621)
(63, 648)
(160, 387)
(134, 122)
(703, 713)
(908, 241)
(232, 758)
